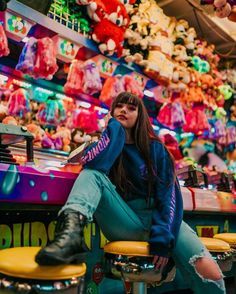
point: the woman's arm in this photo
(168, 214)
(102, 154)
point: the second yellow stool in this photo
(220, 251)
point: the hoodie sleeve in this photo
(102, 154)
(168, 214)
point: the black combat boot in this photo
(68, 245)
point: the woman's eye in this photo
(119, 105)
(132, 108)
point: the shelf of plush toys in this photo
(180, 74)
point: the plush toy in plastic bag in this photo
(91, 78)
(87, 120)
(111, 88)
(196, 120)
(164, 115)
(74, 83)
(19, 103)
(46, 62)
(49, 113)
(27, 58)
(132, 86)
(172, 115)
(4, 50)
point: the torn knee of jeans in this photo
(206, 268)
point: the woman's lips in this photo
(122, 117)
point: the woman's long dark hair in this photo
(143, 134)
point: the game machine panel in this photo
(214, 201)
(30, 196)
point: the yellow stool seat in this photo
(132, 262)
(227, 237)
(130, 248)
(215, 245)
(19, 262)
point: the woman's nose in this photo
(123, 109)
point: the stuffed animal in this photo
(172, 115)
(196, 120)
(111, 20)
(86, 119)
(113, 10)
(180, 53)
(50, 143)
(10, 120)
(91, 78)
(226, 91)
(37, 132)
(111, 88)
(189, 40)
(27, 58)
(65, 135)
(223, 8)
(181, 77)
(109, 36)
(46, 62)
(132, 86)
(180, 31)
(78, 137)
(74, 83)
(18, 103)
(4, 50)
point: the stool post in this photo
(139, 288)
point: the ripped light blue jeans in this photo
(95, 196)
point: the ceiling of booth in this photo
(220, 32)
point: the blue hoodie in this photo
(168, 212)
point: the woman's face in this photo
(126, 114)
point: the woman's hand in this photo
(160, 262)
(107, 118)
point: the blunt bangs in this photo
(127, 98)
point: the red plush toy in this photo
(109, 36)
(112, 10)
(111, 19)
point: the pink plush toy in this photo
(131, 85)
(87, 120)
(196, 120)
(74, 83)
(4, 50)
(91, 78)
(18, 103)
(172, 115)
(46, 63)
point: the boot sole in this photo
(48, 259)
